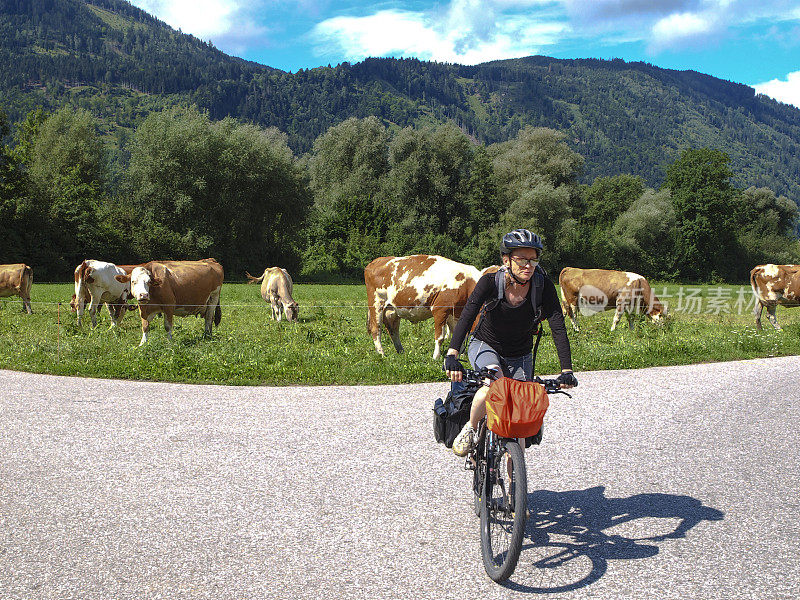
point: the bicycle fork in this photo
(496, 477)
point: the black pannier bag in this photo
(450, 414)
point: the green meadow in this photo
(330, 344)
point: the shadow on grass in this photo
(566, 544)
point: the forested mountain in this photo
(121, 63)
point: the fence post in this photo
(58, 335)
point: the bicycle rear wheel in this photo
(504, 510)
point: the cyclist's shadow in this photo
(566, 548)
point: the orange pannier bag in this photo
(515, 409)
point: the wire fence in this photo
(710, 300)
(257, 305)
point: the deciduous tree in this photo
(223, 189)
(703, 197)
(642, 238)
(67, 167)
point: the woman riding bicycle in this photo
(503, 339)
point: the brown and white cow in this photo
(276, 288)
(178, 287)
(774, 285)
(416, 288)
(596, 290)
(95, 282)
(16, 280)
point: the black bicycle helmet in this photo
(520, 238)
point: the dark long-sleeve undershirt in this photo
(509, 329)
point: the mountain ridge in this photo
(623, 117)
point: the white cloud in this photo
(230, 24)
(784, 91)
(383, 33)
(202, 18)
(630, 21)
(469, 32)
(681, 27)
(672, 24)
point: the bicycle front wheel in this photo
(504, 510)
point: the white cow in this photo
(276, 288)
(97, 280)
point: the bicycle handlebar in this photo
(551, 386)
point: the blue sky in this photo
(747, 41)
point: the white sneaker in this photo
(464, 440)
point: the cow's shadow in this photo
(567, 545)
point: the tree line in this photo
(190, 187)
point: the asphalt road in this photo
(676, 482)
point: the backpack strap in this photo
(536, 293)
(500, 282)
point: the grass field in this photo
(330, 344)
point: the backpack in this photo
(451, 414)
(534, 294)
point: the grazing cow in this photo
(416, 288)
(596, 290)
(774, 285)
(178, 287)
(276, 288)
(16, 280)
(95, 281)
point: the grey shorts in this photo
(481, 355)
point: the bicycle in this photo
(500, 488)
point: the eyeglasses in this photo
(525, 262)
